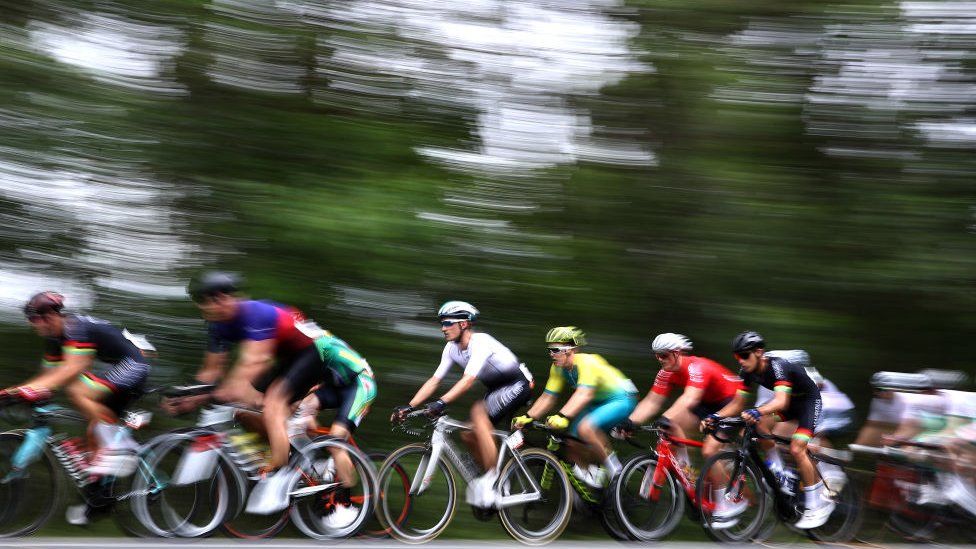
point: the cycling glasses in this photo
(743, 355)
(451, 322)
(553, 351)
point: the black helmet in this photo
(212, 283)
(747, 341)
(43, 303)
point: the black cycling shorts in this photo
(806, 412)
(502, 402)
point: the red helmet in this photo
(43, 303)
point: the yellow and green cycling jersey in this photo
(592, 371)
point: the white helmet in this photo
(665, 343)
(457, 310)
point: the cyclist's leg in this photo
(498, 406)
(594, 427)
(356, 400)
(297, 378)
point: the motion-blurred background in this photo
(804, 169)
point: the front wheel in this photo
(29, 496)
(647, 498)
(411, 517)
(543, 520)
(732, 498)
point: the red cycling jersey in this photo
(716, 380)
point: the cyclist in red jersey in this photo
(710, 389)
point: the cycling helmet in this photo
(43, 303)
(747, 341)
(945, 379)
(212, 283)
(667, 342)
(458, 310)
(900, 381)
(566, 334)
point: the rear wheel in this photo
(648, 501)
(543, 520)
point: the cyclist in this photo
(836, 418)
(484, 359)
(73, 344)
(709, 390)
(281, 356)
(797, 398)
(602, 398)
(896, 394)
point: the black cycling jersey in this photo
(88, 335)
(783, 373)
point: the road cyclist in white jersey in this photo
(508, 382)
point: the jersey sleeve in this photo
(52, 353)
(747, 383)
(77, 339)
(555, 384)
(479, 356)
(446, 363)
(782, 382)
(662, 383)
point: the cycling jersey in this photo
(717, 382)
(260, 321)
(484, 358)
(837, 413)
(127, 368)
(785, 376)
(590, 370)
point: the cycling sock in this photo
(612, 463)
(811, 496)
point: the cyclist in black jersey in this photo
(796, 398)
(73, 344)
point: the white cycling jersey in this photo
(485, 358)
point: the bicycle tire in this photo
(390, 508)
(845, 521)
(35, 496)
(558, 487)
(374, 528)
(626, 501)
(307, 512)
(750, 486)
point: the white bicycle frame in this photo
(441, 444)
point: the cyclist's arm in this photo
(425, 392)
(779, 403)
(459, 388)
(581, 397)
(213, 367)
(74, 364)
(545, 403)
(647, 407)
(735, 406)
(688, 400)
(254, 359)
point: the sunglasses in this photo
(662, 356)
(743, 355)
(449, 323)
(553, 351)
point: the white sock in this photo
(811, 496)
(612, 463)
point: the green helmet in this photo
(566, 334)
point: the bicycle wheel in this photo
(542, 521)
(649, 502)
(412, 517)
(191, 510)
(317, 493)
(374, 528)
(251, 526)
(29, 497)
(732, 498)
(845, 521)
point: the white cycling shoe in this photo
(727, 512)
(340, 517)
(815, 518)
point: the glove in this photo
(522, 421)
(436, 408)
(624, 429)
(752, 414)
(557, 422)
(709, 423)
(400, 412)
(33, 394)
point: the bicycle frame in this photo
(666, 462)
(441, 444)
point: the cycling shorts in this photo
(705, 409)
(606, 414)
(123, 382)
(352, 402)
(502, 402)
(806, 412)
